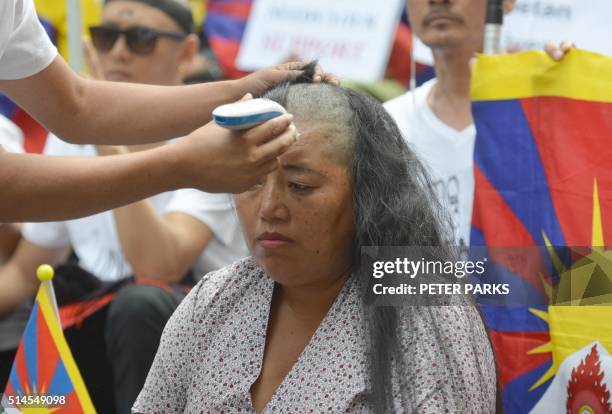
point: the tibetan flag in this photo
(44, 377)
(543, 181)
(398, 67)
(224, 27)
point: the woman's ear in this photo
(509, 6)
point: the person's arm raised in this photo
(213, 159)
(89, 111)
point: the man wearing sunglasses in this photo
(209, 158)
(135, 35)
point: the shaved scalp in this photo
(322, 108)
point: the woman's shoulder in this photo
(455, 324)
(229, 284)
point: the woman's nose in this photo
(273, 206)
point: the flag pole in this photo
(493, 25)
(45, 274)
(75, 30)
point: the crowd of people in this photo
(230, 257)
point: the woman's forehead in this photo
(309, 144)
(316, 147)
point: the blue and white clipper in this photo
(247, 114)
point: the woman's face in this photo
(298, 221)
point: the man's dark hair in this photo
(177, 11)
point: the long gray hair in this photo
(394, 204)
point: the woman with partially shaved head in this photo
(293, 329)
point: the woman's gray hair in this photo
(394, 204)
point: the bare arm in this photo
(89, 111)
(37, 188)
(18, 276)
(160, 247)
(10, 234)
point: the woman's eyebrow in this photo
(300, 168)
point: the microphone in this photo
(493, 24)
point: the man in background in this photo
(436, 120)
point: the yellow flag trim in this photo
(44, 303)
(580, 75)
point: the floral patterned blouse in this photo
(212, 348)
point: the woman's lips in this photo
(272, 240)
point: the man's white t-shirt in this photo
(447, 153)
(11, 136)
(95, 239)
(25, 48)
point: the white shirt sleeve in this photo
(214, 210)
(217, 212)
(51, 235)
(11, 137)
(25, 48)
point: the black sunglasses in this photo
(140, 40)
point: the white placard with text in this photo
(350, 38)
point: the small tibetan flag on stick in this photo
(44, 377)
